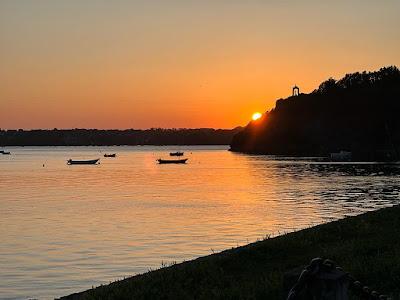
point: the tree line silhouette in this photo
(358, 113)
(95, 137)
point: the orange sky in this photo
(135, 64)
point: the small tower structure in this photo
(295, 91)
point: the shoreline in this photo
(367, 246)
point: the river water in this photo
(67, 228)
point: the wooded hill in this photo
(359, 113)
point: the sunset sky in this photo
(141, 64)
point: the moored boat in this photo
(110, 155)
(83, 162)
(176, 153)
(172, 161)
(341, 156)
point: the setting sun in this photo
(256, 116)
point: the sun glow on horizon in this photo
(256, 116)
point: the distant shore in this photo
(367, 246)
(128, 137)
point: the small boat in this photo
(83, 162)
(176, 153)
(172, 161)
(110, 155)
(5, 152)
(341, 156)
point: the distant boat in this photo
(176, 153)
(341, 156)
(172, 161)
(83, 162)
(110, 155)
(5, 152)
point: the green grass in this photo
(367, 246)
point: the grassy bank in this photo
(367, 246)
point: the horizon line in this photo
(116, 129)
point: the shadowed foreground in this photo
(367, 246)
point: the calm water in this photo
(66, 228)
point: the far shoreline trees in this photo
(96, 137)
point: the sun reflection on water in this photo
(66, 228)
